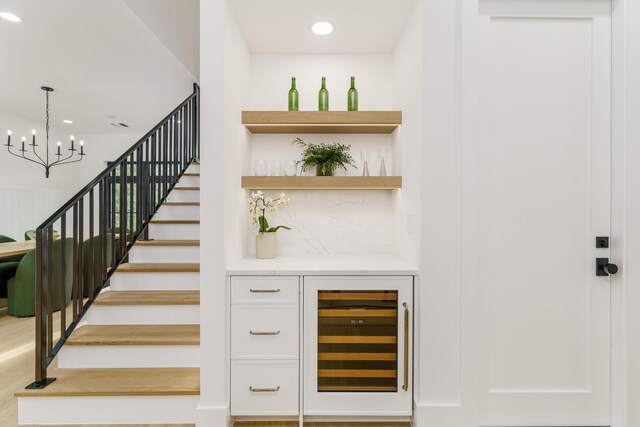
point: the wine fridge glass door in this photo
(358, 345)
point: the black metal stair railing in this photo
(107, 217)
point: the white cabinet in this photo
(265, 349)
(264, 332)
(358, 345)
(264, 388)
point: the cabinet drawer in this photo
(264, 289)
(264, 388)
(264, 332)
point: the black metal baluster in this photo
(122, 197)
(80, 265)
(114, 229)
(154, 173)
(102, 225)
(91, 285)
(63, 275)
(130, 189)
(41, 310)
(49, 290)
(74, 285)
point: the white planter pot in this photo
(266, 245)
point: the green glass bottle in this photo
(352, 96)
(293, 96)
(323, 96)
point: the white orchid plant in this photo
(258, 205)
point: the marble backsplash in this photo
(333, 223)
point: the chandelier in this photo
(60, 159)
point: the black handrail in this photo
(130, 191)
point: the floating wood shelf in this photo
(350, 122)
(322, 182)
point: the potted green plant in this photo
(325, 157)
(266, 237)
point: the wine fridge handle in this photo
(405, 387)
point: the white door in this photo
(543, 183)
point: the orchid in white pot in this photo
(266, 237)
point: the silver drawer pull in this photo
(264, 333)
(264, 390)
(264, 291)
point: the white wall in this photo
(216, 28)
(27, 198)
(104, 148)
(441, 400)
(408, 140)
(629, 96)
(331, 222)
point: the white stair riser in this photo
(178, 212)
(193, 169)
(189, 181)
(164, 254)
(129, 356)
(174, 231)
(155, 282)
(108, 410)
(144, 315)
(184, 196)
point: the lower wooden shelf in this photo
(322, 182)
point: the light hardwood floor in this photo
(17, 364)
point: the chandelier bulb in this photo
(59, 144)
(9, 132)
(24, 139)
(33, 132)
(81, 142)
(72, 138)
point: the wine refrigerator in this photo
(358, 345)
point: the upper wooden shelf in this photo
(322, 182)
(353, 122)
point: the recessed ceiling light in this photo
(10, 17)
(322, 28)
(68, 121)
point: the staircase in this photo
(134, 358)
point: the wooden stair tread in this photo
(190, 174)
(168, 243)
(174, 221)
(186, 267)
(92, 335)
(187, 188)
(181, 204)
(148, 298)
(120, 382)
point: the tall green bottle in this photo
(352, 96)
(293, 96)
(323, 96)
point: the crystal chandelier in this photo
(45, 161)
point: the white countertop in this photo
(387, 265)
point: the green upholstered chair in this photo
(22, 288)
(7, 271)
(8, 267)
(96, 261)
(7, 239)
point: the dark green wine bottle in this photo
(293, 96)
(352, 96)
(323, 96)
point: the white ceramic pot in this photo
(267, 245)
